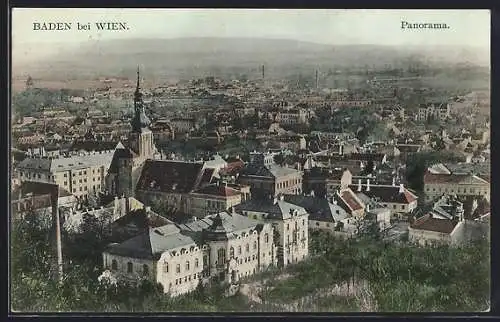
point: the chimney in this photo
(282, 197)
(359, 185)
(393, 181)
(401, 188)
(148, 209)
(368, 185)
(275, 201)
(123, 207)
(367, 207)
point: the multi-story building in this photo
(398, 199)
(437, 184)
(170, 183)
(290, 222)
(265, 177)
(214, 198)
(128, 159)
(182, 125)
(436, 111)
(292, 116)
(324, 182)
(224, 247)
(81, 175)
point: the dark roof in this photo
(170, 176)
(280, 209)
(427, 222)
(142, 219)
(93, 145)
(453, 178)
(37, 164)
(386, 193)
(376, 157)
(37, 189)
(319, 209)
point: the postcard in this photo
(237, 160)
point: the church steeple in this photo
(140, 120)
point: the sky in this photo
(381, 27)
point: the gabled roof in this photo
(220, 190)
(170, 176)
(430, 178)
(278, 210)
(348, 197)
(386, 193)
(152, 243)
(319, 209)
(430, 223)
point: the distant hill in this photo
(196, 57)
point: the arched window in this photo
(196, 263)
(114, 265)
(165, 267)
(221, 255)
(187, 266)
(130, 267)
(239, 250)
(178, 268)
(145, 270)
(287, 226)
(247, 248)
(231, 252)
(254, 245)
(296, 225)
(266, 238)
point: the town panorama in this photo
(330, 187)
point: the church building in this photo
(130, 156)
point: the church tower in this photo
(141, 137)
(129, 159)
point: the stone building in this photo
(290, 222)
(463, 184)
(265, 177)
(224, 247)
(128, 159)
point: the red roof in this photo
(232, 168)
(348, 197)
(221, 190)
(427, 222)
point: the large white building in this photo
(81, 175)
(224, 247)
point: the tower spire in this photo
(138, 85)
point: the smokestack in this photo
(401, 188)
(368, 185)
(317, 79)
(359, 185)
(263, 73)
(57, 226)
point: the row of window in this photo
(186, 279)
(85, 188)
(464, 190)
(84, 172)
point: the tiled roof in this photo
(430, 178)
(319, 209)
(228, 223)
(151, 244)
(386, 193)
(427, 222)
(170, 176)
(35, 164)
(232, 168)
(218, 190)
(279, 210)
(348, 197)
(93, 145)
